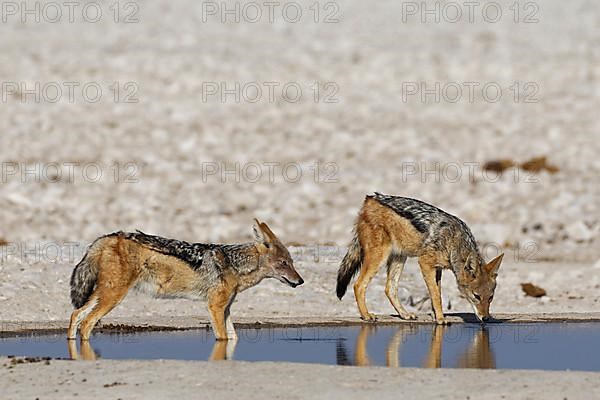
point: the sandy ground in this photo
(226, 380)
(370, 140)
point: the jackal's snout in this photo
(284, 271)
(291, 276)
(293, 284)
(482, 311)
(479, 285)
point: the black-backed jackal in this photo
(117, 262)
(390, 228)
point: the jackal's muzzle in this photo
(293, 284)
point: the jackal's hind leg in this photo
(395, 267)
(73, 353)
(108, 298)
(375, 255)
(79, 315)
(87, 351)
(361, 356)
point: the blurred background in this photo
(187, 119)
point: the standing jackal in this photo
(390, 229)
(171, 268)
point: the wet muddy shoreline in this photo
(132, 325)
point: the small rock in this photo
(533, 291)
(538, 164)
(499, 165)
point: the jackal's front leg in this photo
(434, 357)
(431, 275)
(223, 350)
(395, 267)
(219, 300)
(231, 335)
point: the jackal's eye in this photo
(478, 297)
(491, 298)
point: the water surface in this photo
(547, 346)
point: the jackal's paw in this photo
(369, 317)
(408, 316)
(441, 321)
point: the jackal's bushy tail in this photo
(83, 281)
(349, 267)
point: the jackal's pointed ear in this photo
(259, 233)
(493, 266)
(268, 232)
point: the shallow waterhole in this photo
(547, 346)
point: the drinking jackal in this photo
(117, 262)
(390, 229)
